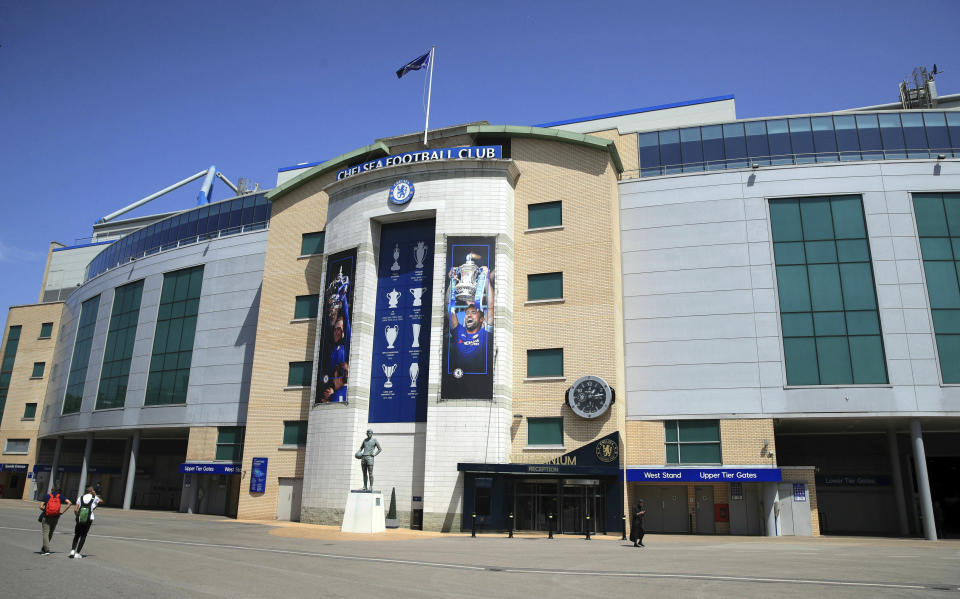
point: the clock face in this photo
(589, 397)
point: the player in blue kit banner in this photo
(469, 341)
(334, 383)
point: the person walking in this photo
(636, 525)
(83, 510)
(51, 508)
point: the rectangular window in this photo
(545, 286)
(38, 368)
(938, 223)
(649, 154)
(828, 305)
(544, 362)
(692, 441)
(6, 368)
(306, 306)
(77, 377)
(545, 214)
(17, 446)
(230, 443)
(119, 347)
(545, 431)
(295, 432)
(46, 329)
(29, 411)
(312, 243)
(173, 337)
(300, 374)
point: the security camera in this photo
(770, 454)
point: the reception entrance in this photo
(569, 501)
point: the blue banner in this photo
(401, 331)
(709, 475)
(13, 467)
(458, 153)
(209, 468)
(258, 475)
(336, 314)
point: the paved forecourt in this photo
(160, 554)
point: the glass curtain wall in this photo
(119, 348)
(81, 355)
(173, 339)
(6, 369)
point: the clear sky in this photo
(105, 102)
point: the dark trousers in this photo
(80, 535)
(47, 527)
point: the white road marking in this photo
(508, 570)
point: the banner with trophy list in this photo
(401, 329)
(468, 325)
(335, 315)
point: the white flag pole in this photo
(426, 127)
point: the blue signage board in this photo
(258, 476)
(209, 468)
(707, 475)
(401, 323)
(13, 467)
(458, 153)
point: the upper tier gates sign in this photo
(459, 153)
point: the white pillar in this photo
(923, 481)
(131, 470)
(87, 450)
(897, 477)
(56, 463)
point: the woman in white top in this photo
(83, 509)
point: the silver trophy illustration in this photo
(388, 370)
(414, 371)
(420, 252)
(393, 297)
(396, 258)
(416, 335)
(391, 333)
(465, 280)
(418, 295)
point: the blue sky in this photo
(102, 103)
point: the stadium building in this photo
(750, 324)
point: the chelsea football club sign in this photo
(458, 153)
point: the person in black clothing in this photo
(636, 525)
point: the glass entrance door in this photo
(535, 502)
(580, 498)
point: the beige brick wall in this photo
(280, 341)
(23, 388)
(202, 444)
(645, 442)
(742, 440)
(806, 475)
(628, 148)
(587, 323)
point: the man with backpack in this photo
(86, 503)
(50, 516)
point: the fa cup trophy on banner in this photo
(468, 281)
(337, 295)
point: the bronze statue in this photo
(366, 455)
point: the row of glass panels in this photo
(837, 138)
(229, 217)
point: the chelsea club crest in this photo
(401, 192)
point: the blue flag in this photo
(414, 65)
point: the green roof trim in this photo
(379, 149)
(375, 149)
(579, 139)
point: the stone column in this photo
(131, 470)
(87, 450)
(771, 502)
(897, 477)
(56, 464)
(923, 481)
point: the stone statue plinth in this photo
(364, 513)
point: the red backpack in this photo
(53, 505)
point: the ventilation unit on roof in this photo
(920, 91)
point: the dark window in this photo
(38, 368)
(735, 145)
(545, 214)
(545, 431)
(691, 149)
(312, 244)
(828, 306)
(938, 223)
(824, 139)
(848, 142)
(757, 146)
(779, 139)
(230, 443)
(77, 377)
(295, 432)
(29, 411)
(869, 132)
(650, 154)
(953, 126)
(544, 362)
(545, 286)
(6, 368)
(914, 136)
(299, 374)
(801, 138)
(118, 350)
(692, 441)
(670, 155)
(891, 134)
(306, 306)
(173, 337)
(713, 154)
(935, 125)
(46, 330)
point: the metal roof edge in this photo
(608, 115)
(580, 139)
(325, 167)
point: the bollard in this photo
(588, 527)
(624, 537)
(511, 526)
(473, 533)
(550, 526)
